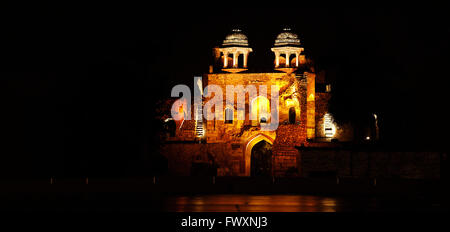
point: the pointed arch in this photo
(252, 141)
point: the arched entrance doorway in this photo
(268, 137)
(292, 115)
(261, 159)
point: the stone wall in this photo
(227, 159)
(416, 165)
(285, 161)
(321, 110)
(217, 130)
(227, 145)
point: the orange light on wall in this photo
(310, 105)
(328, 126)
(289, 103)
(260, 109)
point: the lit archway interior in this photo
(260, 109)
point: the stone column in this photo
(296, 59)
(225, 59)
(235, 59)
(287, 59)
(245, 59)
(310, 105)
(277, 59)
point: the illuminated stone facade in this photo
(225, 146)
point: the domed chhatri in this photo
(288, 52)
(235, 50)
(236, 38)
(236, 46)
(287, 38)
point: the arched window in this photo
(292, 115)
(229, 116)
(260, 110)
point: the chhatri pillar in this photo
(225, 59)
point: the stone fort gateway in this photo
(306, 141)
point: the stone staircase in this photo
(199, 130)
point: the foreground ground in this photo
(208, 194)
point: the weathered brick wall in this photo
(218, 131)
(321, 109)
(285, 161)
(226, 142)
(239, 132)
(285, 156)
(180, 157)
(226, 157)
(418, 165)
(290, 135)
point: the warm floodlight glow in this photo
(328, 126)
(236, 38)
(260, 108)
(286, 38)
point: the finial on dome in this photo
(236, 38)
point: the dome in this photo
(236, 38)
(287, 38)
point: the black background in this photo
(79, 83)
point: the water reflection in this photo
(251, 203)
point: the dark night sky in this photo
(79, 83)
